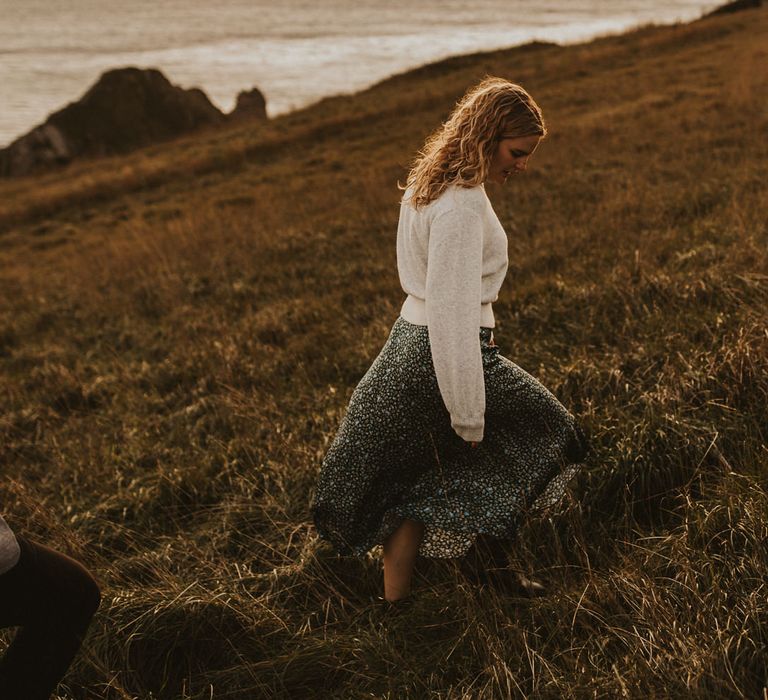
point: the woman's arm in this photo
(9, 547)
(453, 294)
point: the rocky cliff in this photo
(125, 109)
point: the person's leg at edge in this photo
(400, 550)
(52, 598)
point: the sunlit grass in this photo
(180, 332)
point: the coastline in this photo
(219, 69)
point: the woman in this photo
(445, 441)
(52, 598)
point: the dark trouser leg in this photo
(52, 598)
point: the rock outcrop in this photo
(127, 108)
(250, 104)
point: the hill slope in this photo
(180, 330)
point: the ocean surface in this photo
(294, 51)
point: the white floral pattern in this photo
(396, 456)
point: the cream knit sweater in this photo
(452, 260)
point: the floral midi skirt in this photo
(395, 454)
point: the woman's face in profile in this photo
(511, 157)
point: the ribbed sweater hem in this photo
(414, 310)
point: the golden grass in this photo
(181, 329)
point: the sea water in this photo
(294, 51)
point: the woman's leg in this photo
(486, 563)
(52, 598)
(400, 550)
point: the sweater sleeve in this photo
(9, 548)
(453, 293)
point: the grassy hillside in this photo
(181, 329)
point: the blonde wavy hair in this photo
(461, 149)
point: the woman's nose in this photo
(522, 164)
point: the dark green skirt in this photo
(396, 456)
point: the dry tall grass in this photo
(180, 331)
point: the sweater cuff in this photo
(469, 429)
(9, 551)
